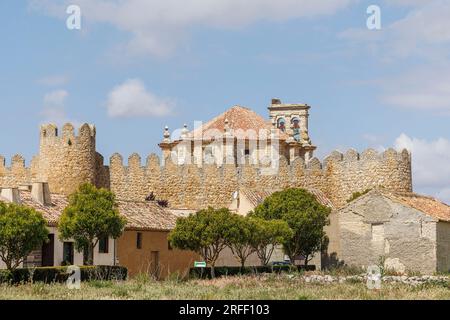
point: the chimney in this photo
(40, 192)
(11, 195)
(276, 101)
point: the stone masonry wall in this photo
(67, 160)
(17, 173)
(374, 226)
(191, 187)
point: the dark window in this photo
(103, 245)
(169, 246)
(68, 253)
(139, 240)
(281, 124)
(48, 252)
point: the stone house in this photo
(409, 232)
(143, 247)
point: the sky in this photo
(135, 66)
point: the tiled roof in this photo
(51, 212)
(140, 215)
(425, 204)
(238, 118)
(147, 216)
(257, 196)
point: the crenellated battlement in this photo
(51, 135)
(68, 158)
(16, 172)
(338, 176)
(351, 157)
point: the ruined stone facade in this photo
(408, 232)
(67, 159)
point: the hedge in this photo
(59, 274)
(232, 271)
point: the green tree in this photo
(267, 235)
(304, 215)
(204, 232)
(240, 237)
(91, 215)
(22, 230)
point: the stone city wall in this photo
(191, 187)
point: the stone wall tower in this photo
(65, 159)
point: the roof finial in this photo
(227, 127)
(184, 131)
(166, 134)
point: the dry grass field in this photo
(263, 287)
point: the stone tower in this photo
(293, 120)
(65, 159)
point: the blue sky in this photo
(136, 66)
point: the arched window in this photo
(281, 124)
(295, 122)
(296, 128)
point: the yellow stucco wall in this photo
(140, 260)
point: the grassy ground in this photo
(233, 288)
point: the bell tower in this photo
(292, 119)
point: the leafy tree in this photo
(267, 235)
(91, 215)
(240, 238)
(204, 232)
(304, 215)
(22, 230)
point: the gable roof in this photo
(146, 216)
(239, 118)
(52, 212)
(257, 196)
(140, 215)
(425, 204)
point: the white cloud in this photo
(53, 80)
(416, 45)
(54, 107)
(55, 98)
(407, 3)
(422, 88)
(131, 99)
(157, 26)
(423, 33)
(430, 164)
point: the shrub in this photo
(22, 229)
(59, 274)
(234, 271)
